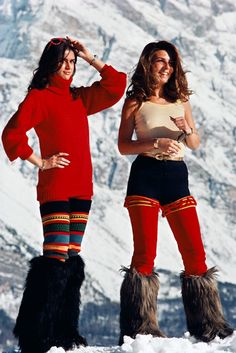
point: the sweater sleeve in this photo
(104, 93)
(14, 137)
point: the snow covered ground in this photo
(149, 344)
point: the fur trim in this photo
(138, 296)
(202, 306)
(38, 322)
(70, 336)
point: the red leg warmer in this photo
(143, 213)
(183, 220)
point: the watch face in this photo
(191, 132)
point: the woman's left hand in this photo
(181, 123)
(83, 52)
(86, 55)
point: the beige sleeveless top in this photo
(152, 120)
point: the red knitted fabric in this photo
(186, 229)
(143, 213)
(62, 126)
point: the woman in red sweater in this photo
(49, 310)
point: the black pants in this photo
(165, 181)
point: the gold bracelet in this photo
(93, 59)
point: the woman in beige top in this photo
(158, 111)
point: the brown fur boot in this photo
(203, 308)
(138, 297)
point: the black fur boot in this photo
(138, 300)
(70, 336)
(40, 315)
(203, 308)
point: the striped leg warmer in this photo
(56, 229)
(79, 212)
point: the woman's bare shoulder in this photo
(131, 105)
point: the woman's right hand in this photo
(55, 161)
(168, 146)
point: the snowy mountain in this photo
(205, 33)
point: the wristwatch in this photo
(189, 133)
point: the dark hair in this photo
(49, 63)
(143, 82)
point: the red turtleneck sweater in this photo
(61, 125)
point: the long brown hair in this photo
(143, 82)
(50, 60)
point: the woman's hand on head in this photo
(168, 146)
(55, 161)
(86, 55)
(83, 52)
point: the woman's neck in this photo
(158, 96)
(158, 92)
